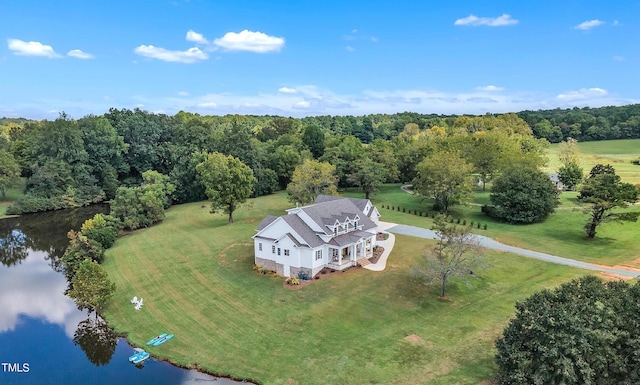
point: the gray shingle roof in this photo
(266, 222)
(325, 212)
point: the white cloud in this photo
(250, 41)
(31, 48)
(191, 55)
(183, 93)
(490, 88)
(583, 94)
(78, 54)
(475, 21)
(287, 90)
(196, 37)
(350, 48)
(207, 105)
(618, 58)
(302, 104)
(586, 25)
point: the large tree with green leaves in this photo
(143, 205)
(523, 194)
(9, 172)
(456, 253)
(313, 138)
(584, 332)
(311, 179)
(90, 287)
(605, 191)
(446, 178)
(228, 182)
(368, 176)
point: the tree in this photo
(144, 205)
(605, 191)
(457, 253)
(369, 175)
(311, 179)
(80, 248)
(90, 286)
(445, 177)
(100, 230)
(9, 172)
(489, 153)
(313, 137)
(569, 152)
(584, 332)
(228, 182)
(570, 175)
(523, 195)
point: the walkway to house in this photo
(489, 243)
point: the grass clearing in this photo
(195, 274)
(618, 153)
(12, 195)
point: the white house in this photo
(333, 232)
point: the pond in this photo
(44, 338)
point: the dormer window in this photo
(335, 230)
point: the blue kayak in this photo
(141, 357)
(163, 340)
(137, 354)
(156, 339)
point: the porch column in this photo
(340, 256)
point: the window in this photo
(273, 249)
(318, 254)
(260, 246)
(335, 230)
(286, 252)
(278, 251)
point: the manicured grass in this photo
(195, 274)
(618, 153)
(561, 234)
(12, 195)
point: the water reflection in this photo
(31, 288)
(12, 247)
(97, 340)
(41, 326)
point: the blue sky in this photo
(301, 58)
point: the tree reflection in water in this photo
(96, 339)
(12, 246)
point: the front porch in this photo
(341, 258)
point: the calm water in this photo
(44, 338)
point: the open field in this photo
(195, 274)
(618, 153)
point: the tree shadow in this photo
(96, 339)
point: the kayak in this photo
(138, 353)
(141, 357)
(156, 339)
(163, 340)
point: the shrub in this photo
(464, 222)
(485, 226)
(478, 224)
(403, 210)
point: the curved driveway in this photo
(495, 245)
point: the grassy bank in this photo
(12, 195)
(195, 274)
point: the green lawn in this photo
(195, 274)
(12, 195)
(561, 234)
(618, 153)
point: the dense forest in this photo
(74, 162)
